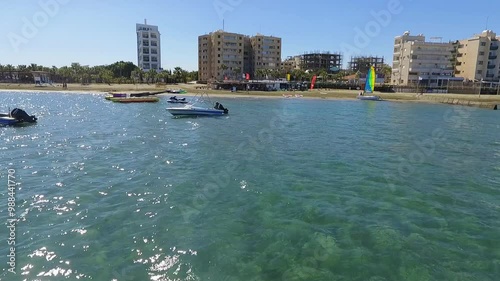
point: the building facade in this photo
(362, 64)
(266, 53)
(291, 63)
(229, 56)
(477, 57)
(148, 47)
(417, 62)
(317, 61)
(220, 56)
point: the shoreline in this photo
(484, 101)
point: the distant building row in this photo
(230, 56)
(417, 61)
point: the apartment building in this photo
(229, 56)
(477, 57)
(417, 61)
(266, 52)
(148, 47)
(220, 55)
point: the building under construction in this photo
(362, 64)
(317, 61)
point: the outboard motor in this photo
(220, 107)
(22, 116)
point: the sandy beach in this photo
(484, 100)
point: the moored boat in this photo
(134, 99)
(130, 98)
(174, 99)
(208, 109)
(16, 117)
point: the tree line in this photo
(118, 73)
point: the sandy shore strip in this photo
(192, 90)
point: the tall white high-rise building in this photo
(148, 47)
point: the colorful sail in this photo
(370, 80)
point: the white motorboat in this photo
(190, 110)
(208, 109)
(16, 117)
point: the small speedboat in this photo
(192, 110)
(174, 99)
(16, 117)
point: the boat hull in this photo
(171, 101)
(376, 98)
(134, 99)
(195, 111)
(8, 121)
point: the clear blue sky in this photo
(96, 32)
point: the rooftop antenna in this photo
(145, 21)
(223, 25)
(487, 20)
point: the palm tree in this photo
(237, 73)
(151, 75)
(223, 67)
(106, 75)
(76, 70)
(10, 68)
(387, 71)
(323, 74)
(65, 72)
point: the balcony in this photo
(493, 47)
(490, 75)
(492, 57)
(491, 66)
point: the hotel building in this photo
(477, 57)
(416, 61)
(228, 56)
(148, 47)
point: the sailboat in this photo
(369, 86)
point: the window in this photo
(483, 43)
(480, 62)
(481, 53)
(479, 72)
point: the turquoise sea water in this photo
(280, 189)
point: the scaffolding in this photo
(363, 63)
(316, 61)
